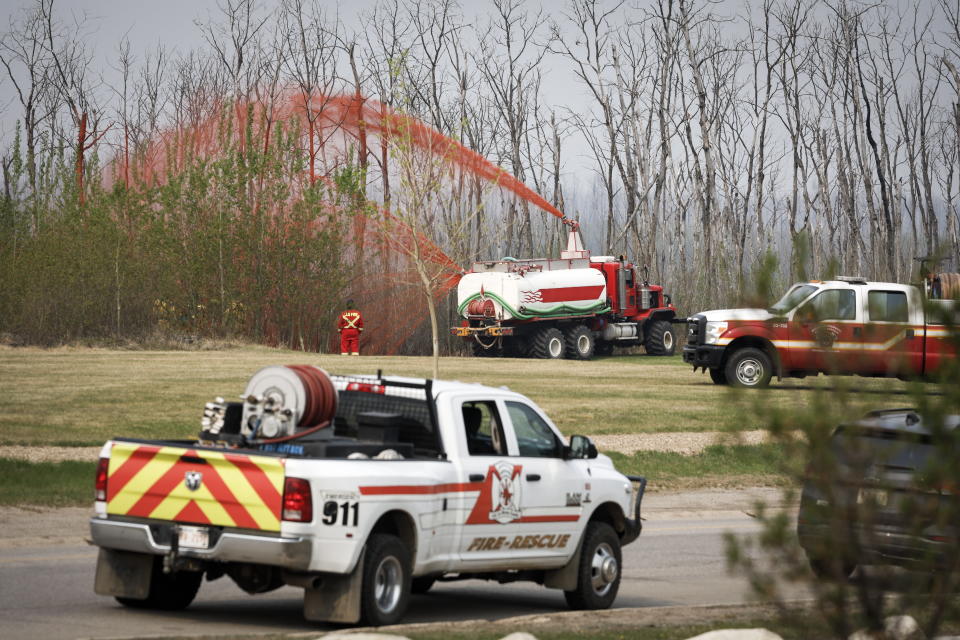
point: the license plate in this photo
(877, 497)
(194, 537)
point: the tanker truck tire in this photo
(580, 343)
(548, 344)
(661, 340)
(749, 368)
(603, 348)
(515, 347)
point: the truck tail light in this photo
(366, 386)
(100, 486)
(297, 500)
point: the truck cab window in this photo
(887, 306)
(832, 304)
(535, 438)
(481, 424)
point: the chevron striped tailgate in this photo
(232, 490)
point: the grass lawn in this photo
(81, 396)
(716, 466)
(49, 484)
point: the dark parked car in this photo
(883, 492)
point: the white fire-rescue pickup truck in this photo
(361, 490)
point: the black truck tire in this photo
(580, 343)
(547, 344)
(598, 578)
(386, 580)
(515, 347)
(603, 348)
(168, 591)
(661, 341)
(719, 376)
(749, 368)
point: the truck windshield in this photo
(793, 297)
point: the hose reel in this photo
(285, 402)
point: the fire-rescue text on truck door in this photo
(520, 511)
(554, 489)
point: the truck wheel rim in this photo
(583, 345)
(555, 347)
(668, 341)
(603, 570)
(749, 371)
(388, 583)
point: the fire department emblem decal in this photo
(505, 492)
(825, 335)
(193, 479)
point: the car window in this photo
(535, 438)
(833, 304)
(481, 423)
(887, 306)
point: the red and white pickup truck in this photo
(843, 326)
(361, 489)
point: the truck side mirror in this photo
(580, 448)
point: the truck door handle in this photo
(533, 477)
(909, 333)
(476, 477)
(857, 331)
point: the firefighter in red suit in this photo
(350, 325)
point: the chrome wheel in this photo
(583, 344)
(388, 584)
(749, 371)
(555, 346)
(603, 569)
(668, 341)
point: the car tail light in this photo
(100, 486)
(297, 500)
(366, 386)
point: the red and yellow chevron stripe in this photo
(233, 491)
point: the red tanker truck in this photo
(573, 307)
(842, 326)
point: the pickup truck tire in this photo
(548, 344)
(661, 340)
(580, 343)
(719, 376)
(598, 578)
(168, 591)
(749, 368)
(386, 580)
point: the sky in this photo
(172, 24)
